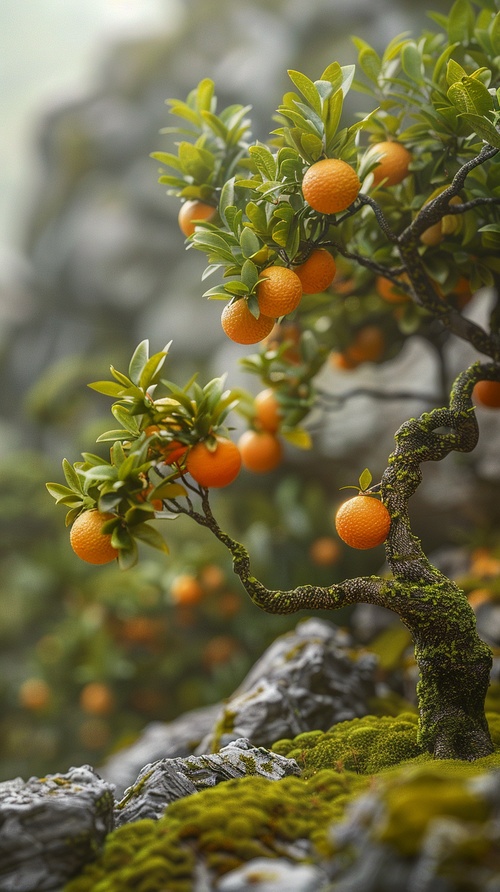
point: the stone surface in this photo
(50, 827)
(169, 779)
(159, 740)
(307, 679)
(266, 875)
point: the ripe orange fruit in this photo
(212, 577)
(185, 589)
(267, 410)
(324, 551)
(279, 291)
(330, 186)
(214, 467)
(393, 165)
(193, 212)
(389, 292)
(241, 326)
(363, 522)
(97, 698)
(34, 694)
(317, 272)
(368, 345)
(87, 539)
(487, 393)
(260, 451)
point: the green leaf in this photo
(454, 72)
(249, 243)
(108, 388)
(307, 88)
(333, 111)
(249, 275)
(151, 371)
(411, 61)
(101, 472)
(264, 159)
(111, 436)
(125, 419)
(365, 480)
(484, 128)
(127, 383)
(72, 478)
(150, 536)
(205, 95)
(139, 359)
(167, 158)
(127, 557)
(197, 163)
(168, 490)
(298, 437)
(460, 22)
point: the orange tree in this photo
(409, 194)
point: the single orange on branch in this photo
(330, 186)
(317, 272)
(88, 540)
(261, 451)
(279, 291)
(241, 326)
(363, 522)
(392, 164)
(186, 589)
(267, 410)
(193, 212)
(487, 393)
(215, 462)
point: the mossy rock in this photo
(253, 817)
(366, 746)
(224, 827)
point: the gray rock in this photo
(266, 875)
(308, 679)
(50, 827)
(159, 740)
(166, 780)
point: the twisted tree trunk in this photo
(454, 662)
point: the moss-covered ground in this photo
(250, 817)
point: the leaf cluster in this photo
(211, 147)
(138, 474)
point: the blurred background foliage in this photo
(95, 263)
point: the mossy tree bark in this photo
(454, 662)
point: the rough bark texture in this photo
(454, 662)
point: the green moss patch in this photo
(366, 746)
(225, 827)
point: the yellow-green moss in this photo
(226, 826)
(366, 745)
